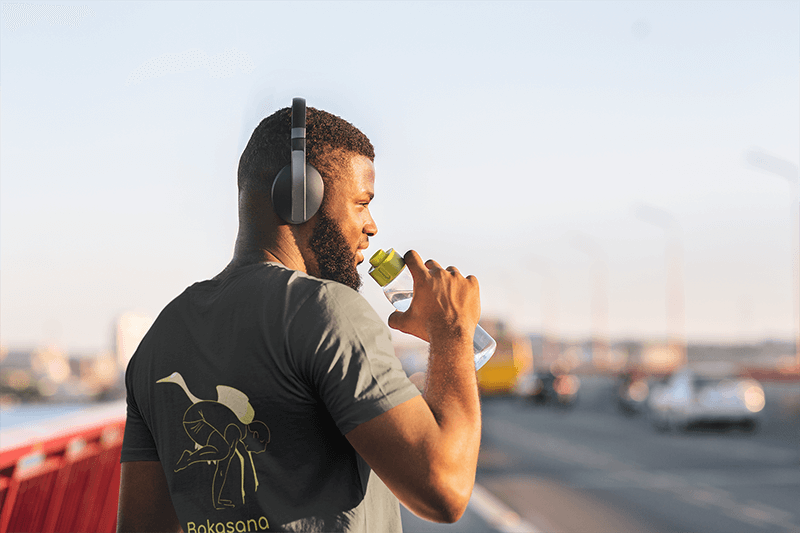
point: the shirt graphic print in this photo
(225, 434)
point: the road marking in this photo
(497, 514)
(775, 513)
(683, 487)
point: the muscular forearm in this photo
(452, 395)
(451, 388)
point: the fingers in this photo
(432, 265)
(396, 320)
(413, 260)
(407, 324)
(415, 265)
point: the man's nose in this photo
(370, 228)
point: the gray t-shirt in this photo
(244, 389)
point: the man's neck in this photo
(247, 254)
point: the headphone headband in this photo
(298, 188)
(299, 124)
(299, 159)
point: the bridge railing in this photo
(62, 476)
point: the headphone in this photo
(297, 190)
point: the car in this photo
(704, 395)
(631, 393)
(557, 388)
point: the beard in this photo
(335, 258)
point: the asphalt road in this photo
(592, 469)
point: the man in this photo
(269, 398)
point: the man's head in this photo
(330, 140)
(330, 242)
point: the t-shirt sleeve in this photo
(138, 443)
(345, 352)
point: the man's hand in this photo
(445, 303)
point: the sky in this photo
(524, 142)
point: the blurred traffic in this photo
(673, 387)
(705, 395)
(551, 386)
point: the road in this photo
(591, 469)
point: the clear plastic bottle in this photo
(389, 270)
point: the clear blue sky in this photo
(502, 130)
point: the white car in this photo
(706, 395)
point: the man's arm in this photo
(426, 450)
(144, 502)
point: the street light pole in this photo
(788, 171)
(599, 300)
(676, 319)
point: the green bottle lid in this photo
(385, 266)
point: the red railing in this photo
(65, 481)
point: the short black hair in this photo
(331, 140)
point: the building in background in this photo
(129, 330)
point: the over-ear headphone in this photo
(298, 188)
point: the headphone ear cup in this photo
(315, 191)
(282, 193)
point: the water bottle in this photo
(390, 271)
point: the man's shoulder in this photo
(255, 277)
(299, 286)
(331, 296)
(302, 283)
